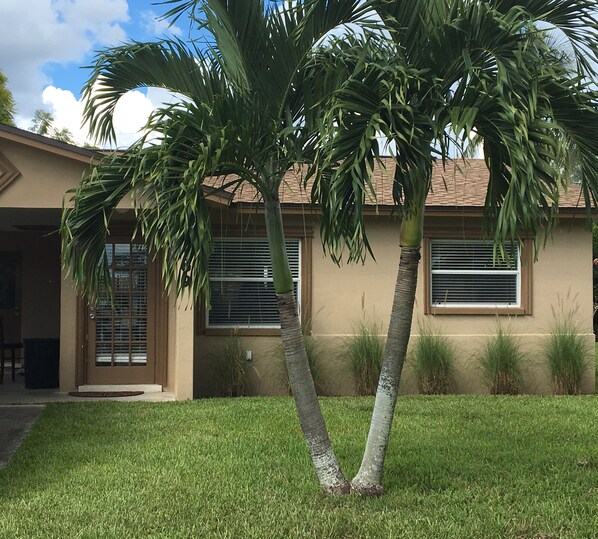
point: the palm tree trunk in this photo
(368, 481)
(328, 471)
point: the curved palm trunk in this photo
(368, 481)
(329, 474)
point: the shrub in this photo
(433, 358)
(231, 367)
(365, 350)
(567, 352)
(501, 363)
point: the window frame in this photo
(304, 235)
(524, 291)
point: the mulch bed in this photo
(99, 394)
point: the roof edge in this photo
(48, 144)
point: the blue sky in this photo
(45, 43)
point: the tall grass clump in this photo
(314, 351)
(365, 350)
(433, 358)
(567, 351)
(501, 360)
(231, 367)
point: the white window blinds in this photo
(242, 290)
(465, 274)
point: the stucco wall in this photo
(341, 296)
(44, 179)
(180, 349)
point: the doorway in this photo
(10, 295)
(121, 330)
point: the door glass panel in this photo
(121, 326)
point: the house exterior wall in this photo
(180, 349)
(70, 345)
(45, 177)
(29, 210)
(341, 296)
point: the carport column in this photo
(68, 334)
(182, 333)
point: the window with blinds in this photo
(121, 322)
(242, 289)
(465, 273)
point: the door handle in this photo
(92, 313)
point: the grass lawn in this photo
(459, 466)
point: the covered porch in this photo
(143, 339)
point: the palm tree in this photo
(240, 116)
(43, 124)
(7, 102)
(450, 69)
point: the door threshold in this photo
(146, 388)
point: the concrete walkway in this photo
(15, 423)
(15, 393)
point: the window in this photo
(121, 322)
(242, 290)
(464, 277)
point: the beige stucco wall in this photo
(180, 349)
(341, 296)
(68, 335)
(45, 177)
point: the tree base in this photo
(367, 490)
(340, 489)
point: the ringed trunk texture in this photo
(368, 481)
(329, 474)
(326, 466)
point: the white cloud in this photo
(130, 115)
(37, 32)
(67, 111)
(155, 26)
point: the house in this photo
(152, 339)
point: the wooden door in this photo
(10, 295)
(121, 331)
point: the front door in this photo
(10, 295)
(121, 331)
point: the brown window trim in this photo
(302, 233)
(473, 234)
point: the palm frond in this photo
(165, 64)
(85, 221)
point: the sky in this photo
(44, 45)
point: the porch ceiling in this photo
(16, 219)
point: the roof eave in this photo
(70, 151)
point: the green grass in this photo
(458, 467)
(596, 359)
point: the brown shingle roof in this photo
(458, 185)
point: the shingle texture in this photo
(459, 184)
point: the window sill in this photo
(514, 311)
(243, 332)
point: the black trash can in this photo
(41, 363)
